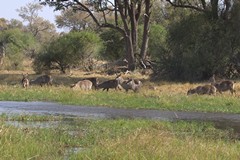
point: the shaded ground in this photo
(222, 120)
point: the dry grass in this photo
(156, 88)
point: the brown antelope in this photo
(42, 80)
(94, 81)
(223, 85)
(114, 83)
(131, 84)
(83, 84)
(25, 81)
(205, 89)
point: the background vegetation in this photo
(184, 44)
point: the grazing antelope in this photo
(205, 89)
(223, 85)
(83, 84)
(114, 83)
(25, 81)
(42, 80)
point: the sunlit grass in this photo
(116, 139)
(159, 95)
(159, 140)
(148, 99)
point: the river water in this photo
(222, 120)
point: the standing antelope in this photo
(223, 85)
(94, 81)
(114, 83)
(25, 81)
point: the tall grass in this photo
(117, 139)
(147, 99)
(158, 140)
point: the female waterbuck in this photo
(83, 84)
(25, 81)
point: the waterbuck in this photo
(131, 84)
(114, 83)
(83, 84)
(42, 80)
(205, 89)
(25, 81)
(94, 81)
(223, 85)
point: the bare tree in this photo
(36, 24)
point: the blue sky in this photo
(8, 10)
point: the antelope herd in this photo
(119, 83)
(89, 83)
(214, 87)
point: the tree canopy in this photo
(75, 49)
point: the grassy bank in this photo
(117, 139)
(149, 99)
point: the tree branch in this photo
(180, 4)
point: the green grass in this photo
(117, 139)
(120, 99)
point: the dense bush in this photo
(75, 49)
(114, 44)
(16, 45)
(199, 47)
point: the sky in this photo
(8, 10)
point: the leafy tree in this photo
(198, 48)
(114, 44)
(16, 45)
(71, 50)
(3, 24)
(157, 41)
(203, 42)
(41, 29)
(74, 20)
(125, 19)
(214, 9)
(14, 23)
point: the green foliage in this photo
(16, 43)
(198, 47)
(157, 41)
(75, 49)
(114, 44)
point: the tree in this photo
(74, 20)
(16, 45)
(196, 52)
(114, 44)
(41, 29)
(215, 9)
(125, 15)
(71, 50)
